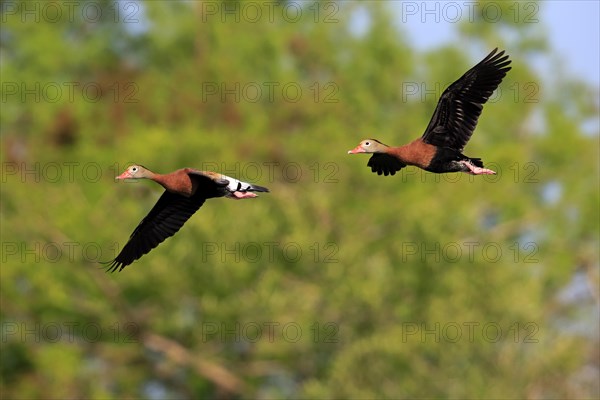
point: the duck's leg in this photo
(242, 195)
(473, 170)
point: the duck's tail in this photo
(237, 189)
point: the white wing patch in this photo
(236, 185)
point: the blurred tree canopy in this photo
(337, 284)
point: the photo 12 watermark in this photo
(470, 251)
(40, 252)
(69, 332)
(453, 12)
(270, 251)
(469, 331)
(269, 11)
(69, 92)
(269, 331)
(517, 92)
(70, 11)
(269, 92)
(514, 172)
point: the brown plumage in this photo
(185, 191)
(440, 148)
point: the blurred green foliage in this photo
(337, 284)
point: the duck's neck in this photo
(158, 178)
(402, 153)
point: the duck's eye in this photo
(367, 143)
(134, 169)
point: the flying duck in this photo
(185, 191)
(440, 148)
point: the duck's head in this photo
(369, 146)
(135, 172)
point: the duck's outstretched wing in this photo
(460, 106)
(164, 220)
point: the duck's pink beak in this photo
(357, 149)
(124, 175)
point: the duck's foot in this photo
(473, 170)
(243, 195)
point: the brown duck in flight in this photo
(440, 148)
(185, 191)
